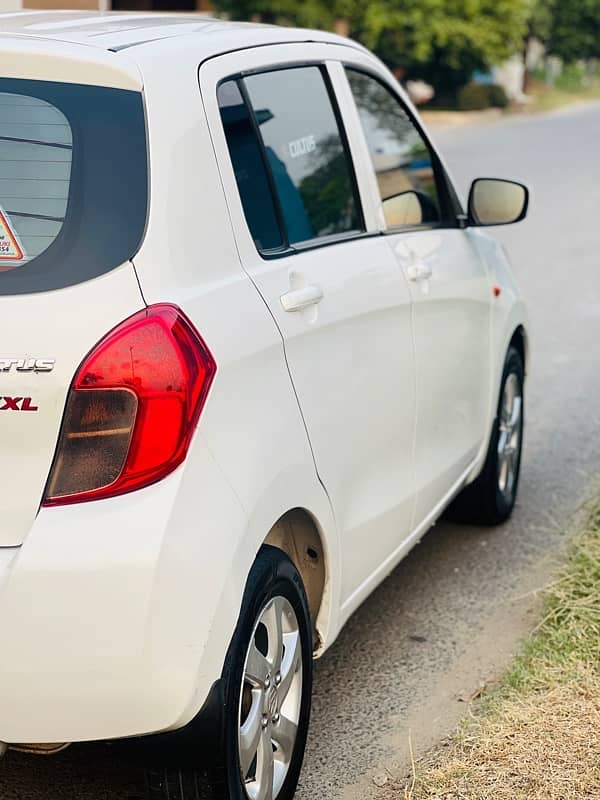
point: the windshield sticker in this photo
(10, 247)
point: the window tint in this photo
(249, 167)
(306, 154)
(401, 158)
(35, 171)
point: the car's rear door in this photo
(449, 286)
(309, 241)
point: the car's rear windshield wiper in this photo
(29, 215)
(35, 141)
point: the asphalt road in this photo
(451, 614)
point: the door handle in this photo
(419, 271)
(297, 299)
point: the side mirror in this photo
(496, 202)
(409, 208)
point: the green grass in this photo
(568, 635)
(537, 735)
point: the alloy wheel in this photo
(270, 700)
(509, 439)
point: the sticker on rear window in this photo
(10, 247)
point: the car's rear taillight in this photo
(132, 408)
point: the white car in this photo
(252, 347)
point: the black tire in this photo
(272, 576)
(483, 502)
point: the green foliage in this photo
(441, 41)
(327, 190)
(477, 96)
(444, 41)
(539, 20)
(569, 633)
(473, 97)
(571, 78)
(498, 97)
(575, 29)
(570, 29)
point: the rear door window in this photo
(304, 181)
(36, 148)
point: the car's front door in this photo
(449, 286)
(332, 284)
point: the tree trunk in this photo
(526, 42)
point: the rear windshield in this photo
(73, 182)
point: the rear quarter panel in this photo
(251, 424)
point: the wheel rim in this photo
(270, 700)
(509, 439)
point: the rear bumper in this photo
(116, 615)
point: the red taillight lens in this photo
(132, 408)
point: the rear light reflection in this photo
(132, 408)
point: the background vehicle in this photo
(265, 349)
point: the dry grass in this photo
(542, 747)
(537, 737)
(547, 99)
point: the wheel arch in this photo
(520, 341)
(298, 534)
(512, 333)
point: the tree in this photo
(442, 41)
(575, 30)
(445, 41)
(540, 17)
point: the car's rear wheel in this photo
(490, 499)
(267, 684)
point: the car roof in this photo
(120, 30)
